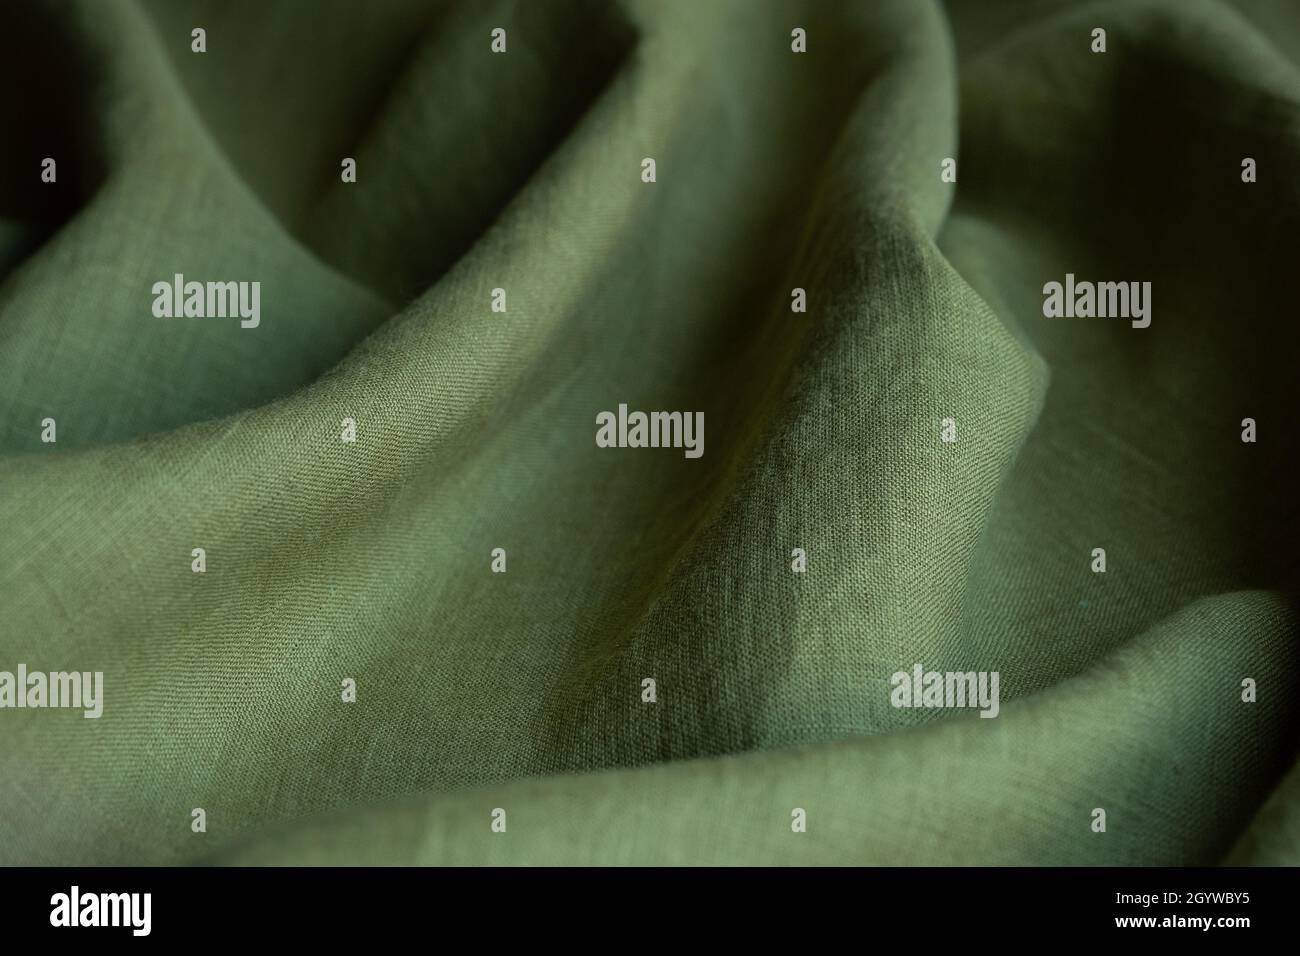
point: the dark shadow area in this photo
(48, 111)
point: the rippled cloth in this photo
(522, 691)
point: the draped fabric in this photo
(474, 634)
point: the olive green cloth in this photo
(330, 561)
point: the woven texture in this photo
(371, 560)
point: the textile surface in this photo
(496, 586)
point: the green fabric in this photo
(522, 690)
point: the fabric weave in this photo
(776, 170)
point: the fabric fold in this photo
(392, 484)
